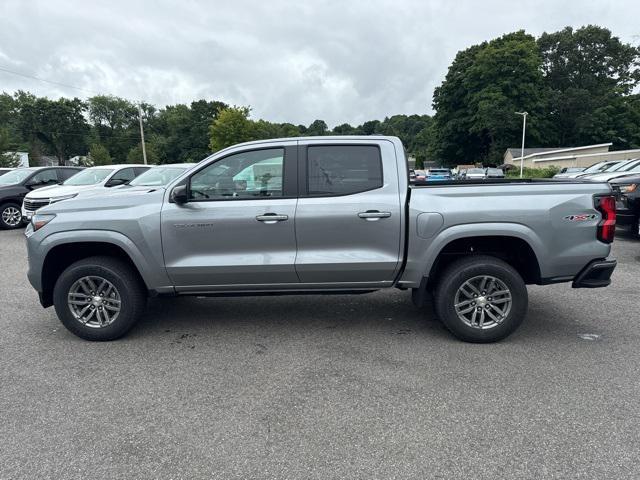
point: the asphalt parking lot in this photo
(322, 387)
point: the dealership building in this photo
(567, 157)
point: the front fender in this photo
(153, 275)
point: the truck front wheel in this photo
(99, 298)
(481, 299)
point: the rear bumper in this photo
(596, 274)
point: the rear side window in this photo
(343, 169)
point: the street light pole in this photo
(144, 150)
(524, 129)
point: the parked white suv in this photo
(93, 178)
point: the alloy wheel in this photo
(483, 302)
(11, 216)
(94, 301)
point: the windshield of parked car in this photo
(475, 171)
(630, 167)
(90, 176)
(598, 167)
(494, 171)
(15, 176)
(157, 177)
(617, 166)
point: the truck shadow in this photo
(380, 313)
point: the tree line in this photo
(578, 86)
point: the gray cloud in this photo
(342, 61)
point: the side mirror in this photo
(179, 194)
(114, 182)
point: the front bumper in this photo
(596, 274)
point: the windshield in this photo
(157, 177)
(617, 166)
(494, 171)
(630, 167)
(475, 171)
(439, 171)
(90, 176)
(15, 176)
(633, 168)
(600, 167)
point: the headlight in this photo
(39, 220)
(65, 197)
(628, 188)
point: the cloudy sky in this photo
(341, 61)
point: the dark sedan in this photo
(627, 190)
(17, 183)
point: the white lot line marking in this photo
(589, 336)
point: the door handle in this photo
(373, 215)
(271, 218)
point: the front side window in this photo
(252, 174)
(46, 177)
(343, 169)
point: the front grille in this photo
(34, 204)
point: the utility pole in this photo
(524, 129)
(144, 149)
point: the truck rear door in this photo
(349, 215)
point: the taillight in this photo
(606, 205)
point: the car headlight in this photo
(628, 188)
(64, 197)
(39, 220)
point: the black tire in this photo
(4, 208)
(131, 291)
(468, 268)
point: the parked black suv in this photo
(15, 184)
(627, 190)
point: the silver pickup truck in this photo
(320, 215)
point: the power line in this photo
(59, 84)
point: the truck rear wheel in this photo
(481, 299)
(99, 298)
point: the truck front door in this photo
(237, 228)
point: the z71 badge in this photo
(582, 217)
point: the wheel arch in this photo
(513, 249)
(59, 250)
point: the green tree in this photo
(59, 125)
(317, 127)
(99, 155)
(135, 154)
(115, 124)
(475, 105)
(232, 126)
(7, 159)
(590, 75)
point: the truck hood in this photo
(119, 190)
(107, 201)
(59, 191)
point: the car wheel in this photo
(99, 298)
(481, 299)
(10, 216)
